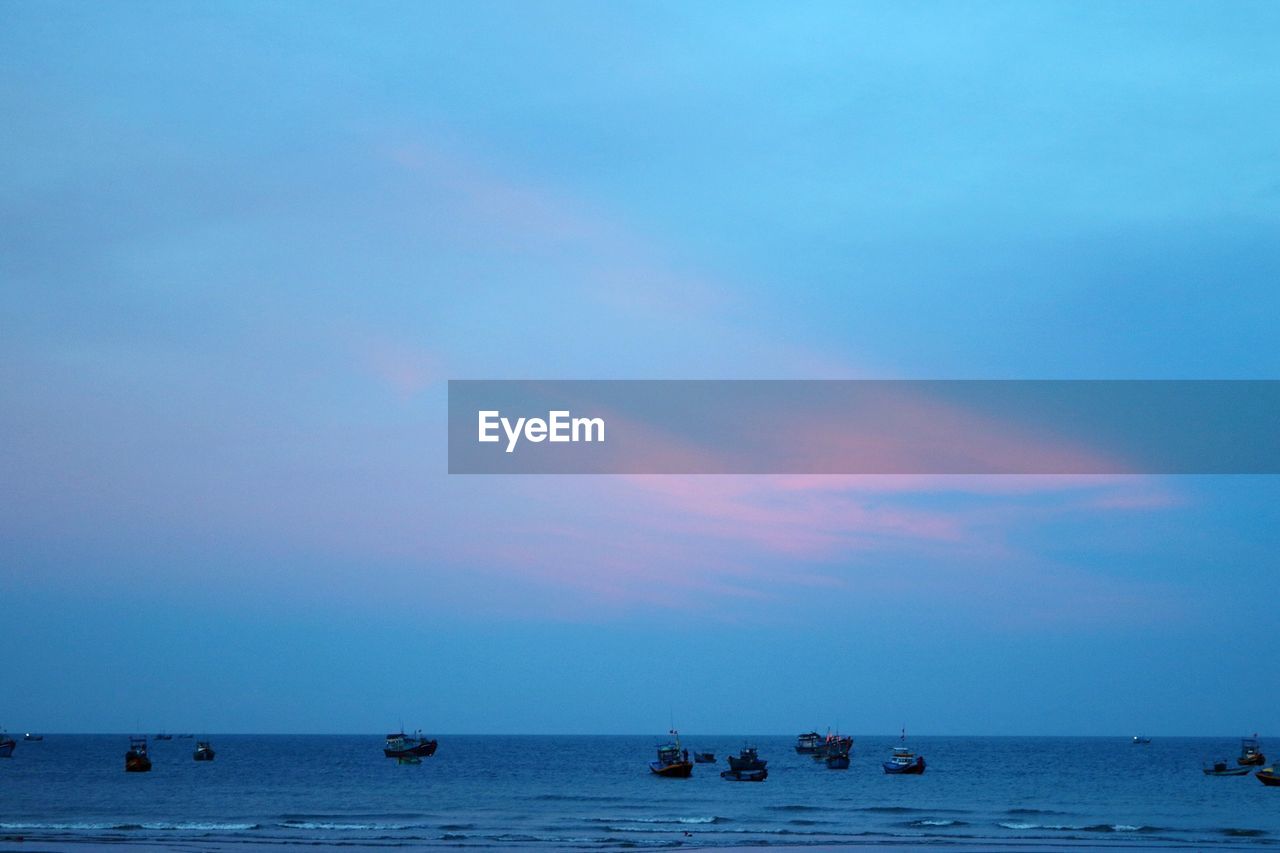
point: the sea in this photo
(580, 792)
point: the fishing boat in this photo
(163, 736)
(748, 760)
(704, 758)
(400, 744)
(833, 745)
(204, 752)
(136, 760)
(1141, 740)
(838, 762)
(746, 766)
(745, 775)
(6, 745)
(1223, 768)
(807, 743)
(903, 761)
(1251, 753)
(1268, 776)
(31, 736)
(673, 760)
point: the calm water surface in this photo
(586, 792)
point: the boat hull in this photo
(838, 762)
(424, 749)
(913, 769)
(704, 758)
(136, 763)
(745, 775)
(679, 770)
(1227, 771)
(1256, 760)
(1269, 777)
(203, 755)
(6, 748)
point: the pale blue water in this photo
(586, 792)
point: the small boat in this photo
(408, 759)
(6, 745)
(136, 760)
(673, 760)
(807, 743)
(30, 736)
(204, 752)
(1141, 740)
(903, 761)
(400, 744)
(704, 758)
(1223, 768)
(746, 761)
(163, 737)
(745, 775)
(834, 744)
(1269, 777)
(838, 762)
(1251, 753)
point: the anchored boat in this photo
(400, 744)
(904, 761)
(807, 743)
(673, 760)
(704, 758)
(204, 752)
(136, 760)
(1222, 768)
(746, 766)
(6, 745)
(1251, 753)
(1269, 777)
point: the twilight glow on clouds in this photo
(241, 255)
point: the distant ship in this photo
(204, 752)
(162, 736)
(32, 736)
(807, 743)
(400, 744)
(1141, 739)
(136, 760)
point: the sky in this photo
(244, 246)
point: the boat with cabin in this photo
(904, 762)
(673, 760)
(136, 759)
(204, 751)
(807, 743)
(1251, 753)
(400, 744)
(746, 766)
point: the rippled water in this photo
(566, 792)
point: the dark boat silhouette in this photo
(400, 744)
(704, 758)
(136, 760)
(673, 760)
(1269, 777)
(808, 743)
(1251, 753)
(746, 766)
(204, 752)
(6, 745)
(1222, 768)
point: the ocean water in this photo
(596, 792)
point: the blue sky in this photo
(244, 247)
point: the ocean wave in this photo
(932, 822)
(337, 826)
(1075, 827)
(192, 826)
(677, 820)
